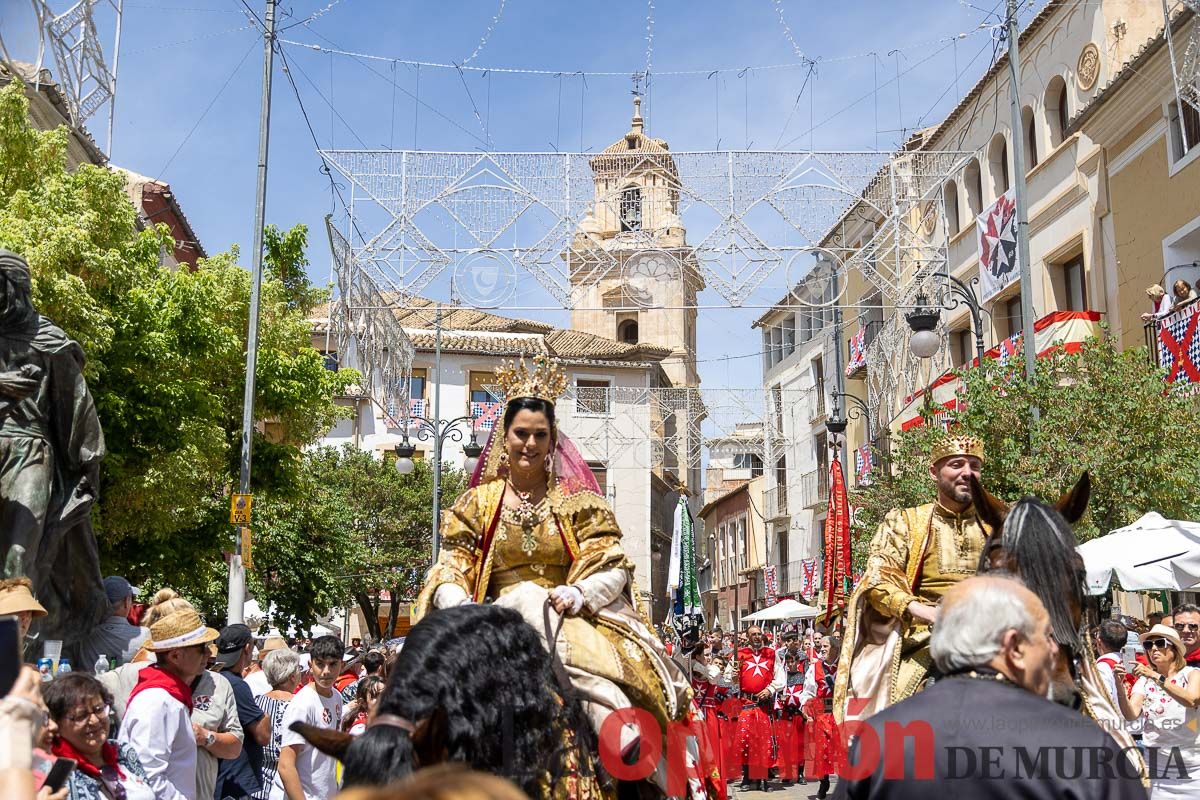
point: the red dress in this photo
(708, 732)
(789, 729)
(755, 742)
(822, 742)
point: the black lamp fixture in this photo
(923, 321)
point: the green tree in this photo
(1101, 409)
(363, 528)
(166, 356)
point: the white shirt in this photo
(258, 683)
(214, 708)
(159, 729)
(1167, 722)
(318, 772)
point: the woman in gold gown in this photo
(534, 533)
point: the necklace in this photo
(526, 515)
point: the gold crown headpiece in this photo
(957, 446)
(546, 381)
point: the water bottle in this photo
(101, 665)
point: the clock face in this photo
(645, 272)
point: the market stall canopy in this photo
(784, 609)
(1152, 553)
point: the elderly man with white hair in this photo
(986, 729)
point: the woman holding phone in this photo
(1166, 698)
(105, 770)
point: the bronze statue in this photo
(51, 446)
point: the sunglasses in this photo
(1187, 626)
(1161, 644)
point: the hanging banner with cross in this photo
(1179, 347)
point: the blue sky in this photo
(180, 56)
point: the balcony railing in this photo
(775, 500)
(818, 408)
(814, 488)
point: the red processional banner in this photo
(837, 540)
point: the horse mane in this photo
(1035, 541)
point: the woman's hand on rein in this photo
(567, 600)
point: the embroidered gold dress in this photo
(916, 554)
(608, 650)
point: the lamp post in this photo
(924, 317)
(837, 424)
(438, 432)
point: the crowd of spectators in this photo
(182, 711)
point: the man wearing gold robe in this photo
(533, 533)
(916, 555)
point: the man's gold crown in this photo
(957, 446)
(546, 381)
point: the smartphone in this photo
(10, 653)
(59, 774)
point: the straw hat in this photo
(179, 629)
(17, 598)
(1167, 633)
(272, 643)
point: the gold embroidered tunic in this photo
(916, 554)
(490, 554)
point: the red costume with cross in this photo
(758, 670)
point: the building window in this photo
(1186, 125)
(631, 209)
(741, 532)
(478, 392)
(417, 384)
(950, 203)
(1012, 314)
(627, 331)
(749, 461)
(998, 164)
(331, 361)
(600, 473)
(973, 178)
(788, 329)
(962, 347)
(781, 474)
(592, 396)
(1074, 287)
(1057, 115)
(1029, 123)
(818, 373)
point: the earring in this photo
(548, 462)
(504, 458)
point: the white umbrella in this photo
(1152, 553)
(784, 609)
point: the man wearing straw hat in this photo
(917, 555)
(158, 722)
(16, 599)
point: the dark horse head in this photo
(1034, 541)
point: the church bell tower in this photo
(635, 277)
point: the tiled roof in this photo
(572, 344)
(419, 313)
(453, 341)
(30, 75)
(472, 331)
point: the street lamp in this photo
(437, 431)
(923, 319)
(836, 424)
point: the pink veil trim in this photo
(571, 473)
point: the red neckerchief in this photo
(108, 754)
(1193, 656)
(155, 677)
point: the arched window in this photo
(973, 181)
(631, 209)
(1057, 113)
(1029, 127)
(627, 331)
(950, 202)
(998, 165)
